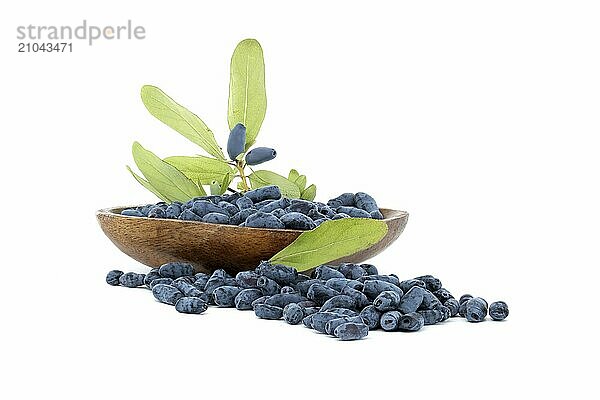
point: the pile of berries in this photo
(262, 208)
(345, 301)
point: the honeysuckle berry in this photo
(259, 155)
(236, 143)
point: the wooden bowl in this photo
(154, 241)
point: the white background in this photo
(479, 118)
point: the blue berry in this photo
(296, 220)
(371, 316)
(498, 310)
(370, 269)
(325, 272)
(166, 294)
(344, 199)
(359, 297)
(431, 283)
(453, 306)
(224, 296)
(319, 319)
(327, 211)
(161, 281)
(352, 271)
(267, 311)
(303, 286)
(376, 214)
(188, 215)
(293, 314)
(268, 286)
(244, 202)
(476, 309)
(191, 305)
(393, 279)
(411, 322)
(187, 288)
(315, 215)
(247, 279)
(443, 295)
(173, 211)
(387, 301)
(157, 212)
(429, 301)
(230, 208)
(151, 276)
(365, 202)
(215, 218)
(406, 285)
(331, 325)
(339, 301)
(175, 270)
(320, 293)
(236, 143)
(275, 205)
(280, 273)
(411, 300)
(372, 288)
(464, 298)
(307, 321)
(351, 331)
(340, 283)
(287, 290)
(353, 212)
(131, 279)
(244, 299)
(389, 320)
(259, 155)
(130, 212)
(302, 206)
(431, 317)
(241, 216)
(112, 278)
(283, 299)
(264, 220)
(203, 207)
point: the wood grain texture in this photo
(154, 242)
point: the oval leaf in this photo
(247, 93)
(201, 169)
(181, 119)
(301, 182)
(265, 178)
(329, 241)
(148, 186)
(293, 175)
(309, 193)
(164, 177)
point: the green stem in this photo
(240, 167)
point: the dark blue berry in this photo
(351, 331)
(166, 294)
(353, 212)
(371, 316)
(215, 218)
(476, 309)
(411, 300)
(112, 278)
(191, 305)
(325, 272)
(372, 288)
(259, 155)
(293, 314)
(296, 220)
(411, 322)
(266, 311)
(389, 320)
(264, 220)
(236, 143)
(130, 212)
(244, 299)
(344, 199)
(224, 296)
(387, 301)
(131, 279)
(498, 310)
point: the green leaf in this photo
(247, 93)
(201, 169)
(265, 178)
(215, 188)
(301, 182)
(330, 241)
(226, 182)
(309, 193)
(164, 177)
(293, 175)
(148, 186)
(181, 119)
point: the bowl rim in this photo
(111, 212)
